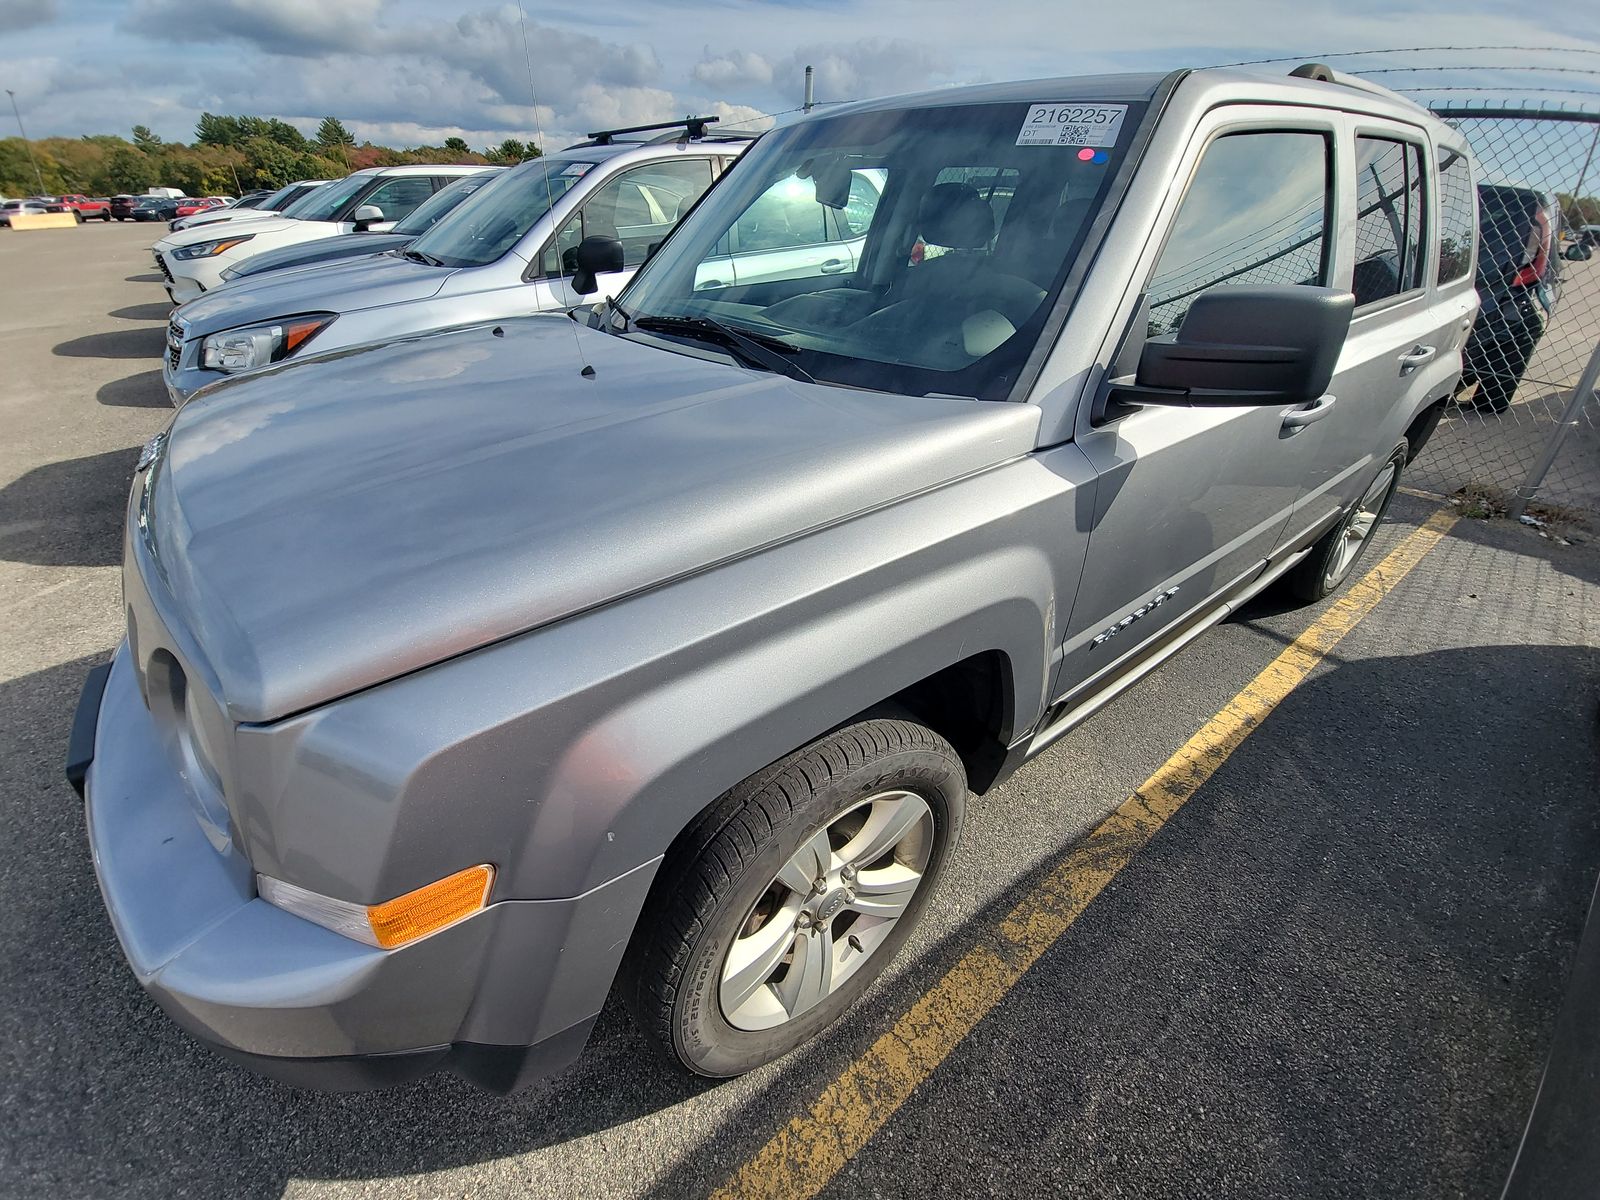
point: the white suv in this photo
(192, 260)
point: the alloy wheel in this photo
(1359, 524)
(831, 906)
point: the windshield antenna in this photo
(549, 197)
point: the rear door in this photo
(1191, 501)
(1400, 353)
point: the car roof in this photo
(1201, 88)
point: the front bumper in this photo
(501, 998)
(180, 374)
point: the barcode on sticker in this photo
(1072, 125)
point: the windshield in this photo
(911, 251)
(427, 214)
(479, 233)
(319, 204)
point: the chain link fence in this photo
(1522, 430)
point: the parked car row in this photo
(627, 578)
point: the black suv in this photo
(1518, 284)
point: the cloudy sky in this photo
(409, 71)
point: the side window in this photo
(397, 197)
(1256, 212)
(786, 214)
(1389, 211)
(1457, 224)
(638, 207)
(865, 193)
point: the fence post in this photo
(1558, 435)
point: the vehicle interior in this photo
(938, 241)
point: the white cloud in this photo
(740, 68)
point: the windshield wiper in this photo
(419, 256)
(627, 317)
(752, 349)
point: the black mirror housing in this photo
(595, 255)
(1271, 344)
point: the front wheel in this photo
(1336, 553)
(777, 909)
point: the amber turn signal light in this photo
(417, 914)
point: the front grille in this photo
(162, 264)
(174, 343)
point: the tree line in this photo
(229, 156)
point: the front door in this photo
(1191, 502)
(637, 206)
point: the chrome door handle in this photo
(833, 266)
(1415, 357)
(1299, 418)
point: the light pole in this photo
(31, 161)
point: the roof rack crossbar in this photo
(694, 126)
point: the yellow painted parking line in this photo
(803, 1156)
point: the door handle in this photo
(833, 266)
(1299, 418)
(1415, 357)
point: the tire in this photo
(1334, 557)
(724, 883)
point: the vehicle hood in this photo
(344, 285)
(200, 233)
(196, 220)
(332, 524)
(306, 254)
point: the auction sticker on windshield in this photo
(1072, 125)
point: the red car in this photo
(88, 208)
(188, 207)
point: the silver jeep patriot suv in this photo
(470, 676)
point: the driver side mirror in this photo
(367, 214)
(1245, 346)
(595, 255)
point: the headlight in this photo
(254, 346)
(208, 249)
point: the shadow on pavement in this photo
(1335, 972)
(144, 390)
(1338, 963)
(144, 312)
(147, 277)
(118, 343)
(68, 514)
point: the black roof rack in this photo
(690, 127)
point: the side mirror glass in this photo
(595, 255)
(1274, 344)
(367, 214)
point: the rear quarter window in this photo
(1457, 218)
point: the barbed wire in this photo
(1255, 62)
(772, 116)
(1508, 89)
(1483, 67)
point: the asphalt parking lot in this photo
(1332, 971)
